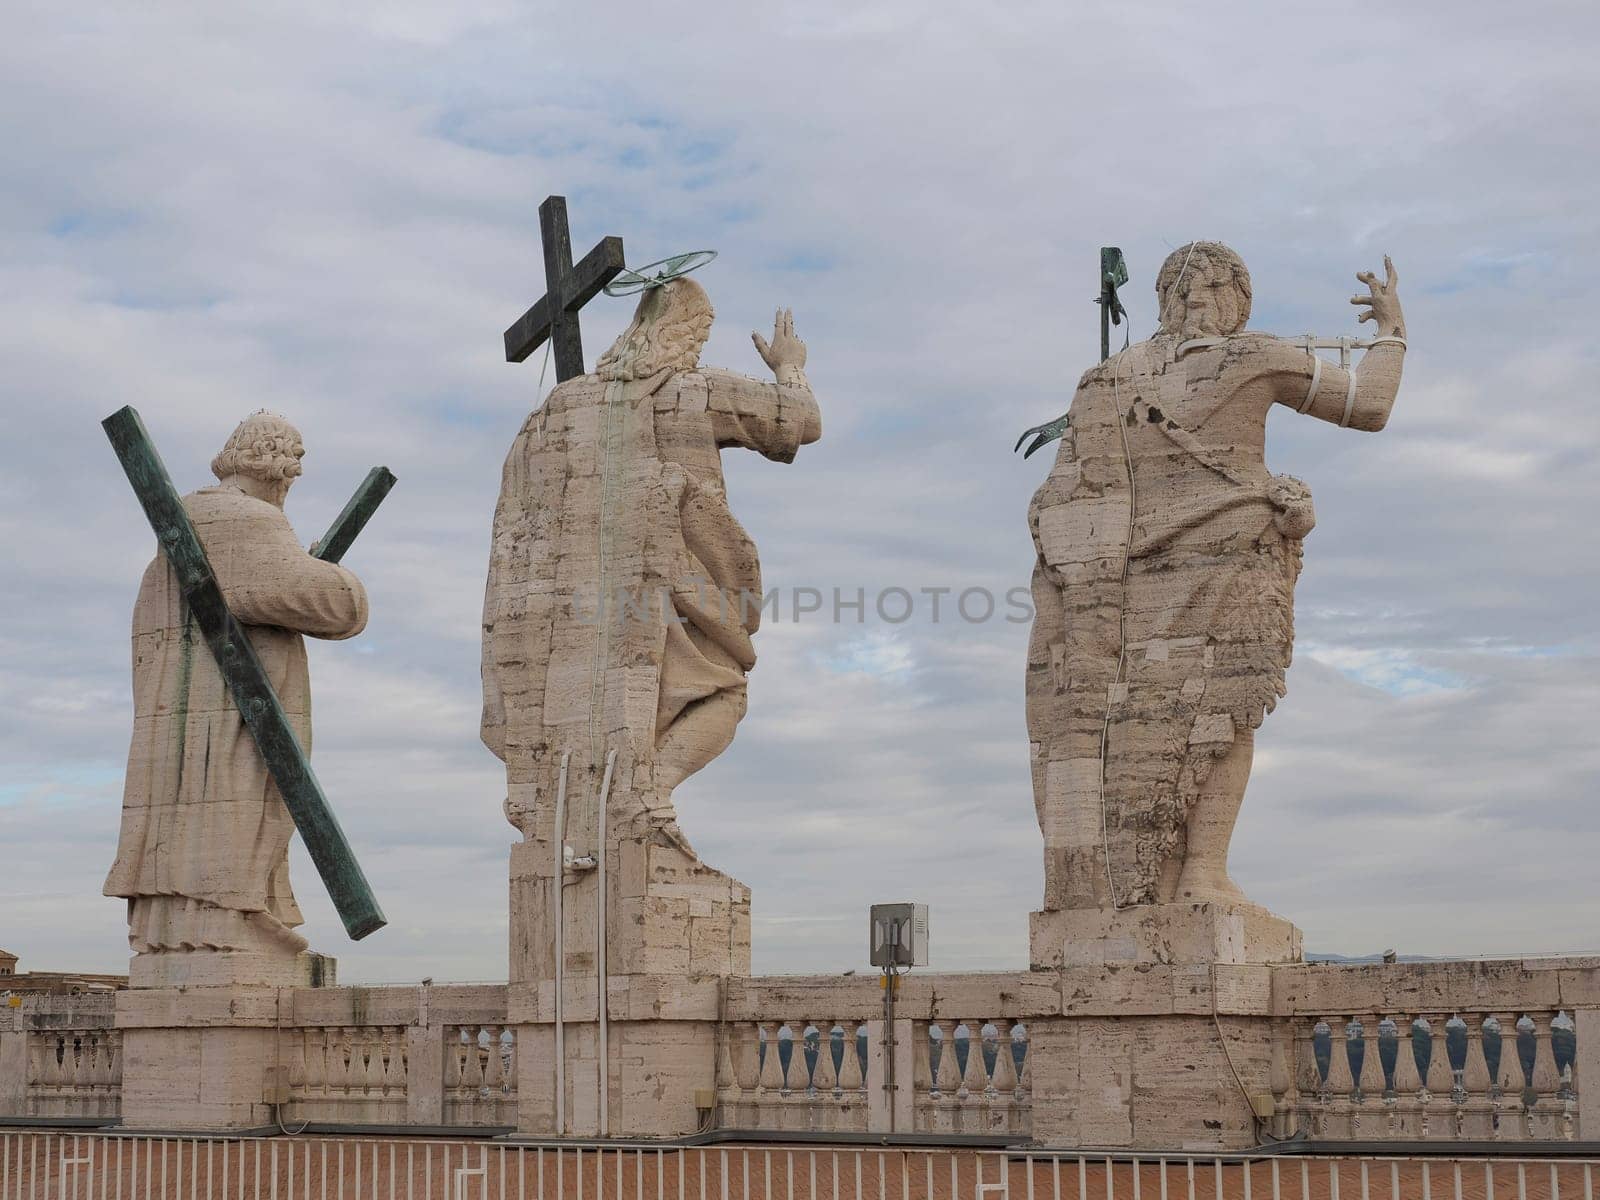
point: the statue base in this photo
(674, 928)
(1208, 932)
(226, 968)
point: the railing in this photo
(480, 1075)
(972, 1077)
(816, 1074)
(365, 1075)
(72, 1166)
(1371, 1077)
(348, 1074)
(74, 1073)
(796, 1074)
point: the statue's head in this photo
(265, 450)
(669, 329)
(1203, 290)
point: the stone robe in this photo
(622, 592)
(203, 855)
(1202, 628)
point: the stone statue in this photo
(622, 592)
(1164, 584)
(203, 856)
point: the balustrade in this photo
(480, 1075)
(1374, 1076)
(804, 1073)
(971, 1077)
(74, 1073)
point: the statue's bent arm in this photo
(774, 419)
(268, 578)
(1359, 397)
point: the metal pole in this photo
(1105, 318)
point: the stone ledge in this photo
(236, 1007)
(1161, 933)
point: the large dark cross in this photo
(246, 678)
(567, 289)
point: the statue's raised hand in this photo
(1383, 301)
(785, 350)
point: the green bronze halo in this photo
(629, 281)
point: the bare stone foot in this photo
(1202, 886)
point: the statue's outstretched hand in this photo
(1383, 301)
(785, 350)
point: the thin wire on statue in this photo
(1122, 632)
(543, 410)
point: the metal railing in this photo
(97, 1166)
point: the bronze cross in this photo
(568, 289)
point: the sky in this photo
(330, 210)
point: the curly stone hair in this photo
(264, 446)
(669, 329)
(1202, 258)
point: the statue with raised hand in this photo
(1167, 555)
(622, 591)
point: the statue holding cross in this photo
(620, 606)
(218, 773)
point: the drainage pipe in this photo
(558, 886)
(600, 946)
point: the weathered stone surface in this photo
(1167, 555)
(1162, 933)
(203, 855)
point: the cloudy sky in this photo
(330, 210)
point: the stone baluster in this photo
(729, 1046)
(349, 1060)
(948, 1076)
(297, 1061)
(825, 1078)
(494, 1077)
(509, 1058)
(975, 1082)
(368, 1055)
(1024, 1042)
(1003, 1084)
(924, 1094)
(453, 1076)
(770, 1082)
(48, 1072)
(746, 1039)
(314, 1062)
(851, 1081)
(114, 1059)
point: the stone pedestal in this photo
(1161, 933)
(673, 929)
(200, 1042)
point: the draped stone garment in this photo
(203, 854)
(622, 592)
(1203, 626)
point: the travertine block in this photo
(1162, 933)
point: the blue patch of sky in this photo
(467, 128)
(77, 782)
(803, 260)
(150, 302)
(1491, 270)
(92, 223)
